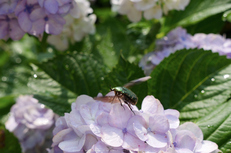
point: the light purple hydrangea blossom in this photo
(33, 17)
(7, 6)
(94, 126)
(9, 28)
(178, 39)
(31, 123)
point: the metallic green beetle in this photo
(126, 95)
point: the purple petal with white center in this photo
(51, 6)
(159, 123)
(140, 131)
(207, 146)
(3, 28)
(133, 143)
(112, 136)
(72, 145)
(119, 116)
(151, 105)
(24, 22)
(37, 14)
(157, 140)
(192, 127)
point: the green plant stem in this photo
(44, 42)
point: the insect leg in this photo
(120, 102)
(129, 105)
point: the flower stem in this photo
(44, 42)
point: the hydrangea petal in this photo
(112, 136)
(140, 131)
(64, 9)
(88, 112)
(185, 139)
(37, 14)
(157, 140)
(133, 143)
(51, 6)
(190, 126)
(3, 28)
(119, 116)
(59, 136)
(207, 146)
(73, 145)
(24, 22)
(81, 100)
(52, 27)
(151, 105)
(159, 123)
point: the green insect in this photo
(123, 93)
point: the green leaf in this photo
(110, 40)
(227, 16)
(204, 27)
(195, 12)
(8, 142)
(123, 73)
(143, 33)
(77, 72)
(198, 84)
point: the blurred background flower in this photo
(150, 9)
(178, 39)
(31, 123)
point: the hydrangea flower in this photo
(95, 126)
(9, 27)
(178, 39)
(31, 123)
(37, 16)
(149, 8)
(7, 6)
(78, 25)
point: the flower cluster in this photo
(31, 123)
(78, 24)
(150, 8)
(179, 39)
(95, 126)
(35, 17)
